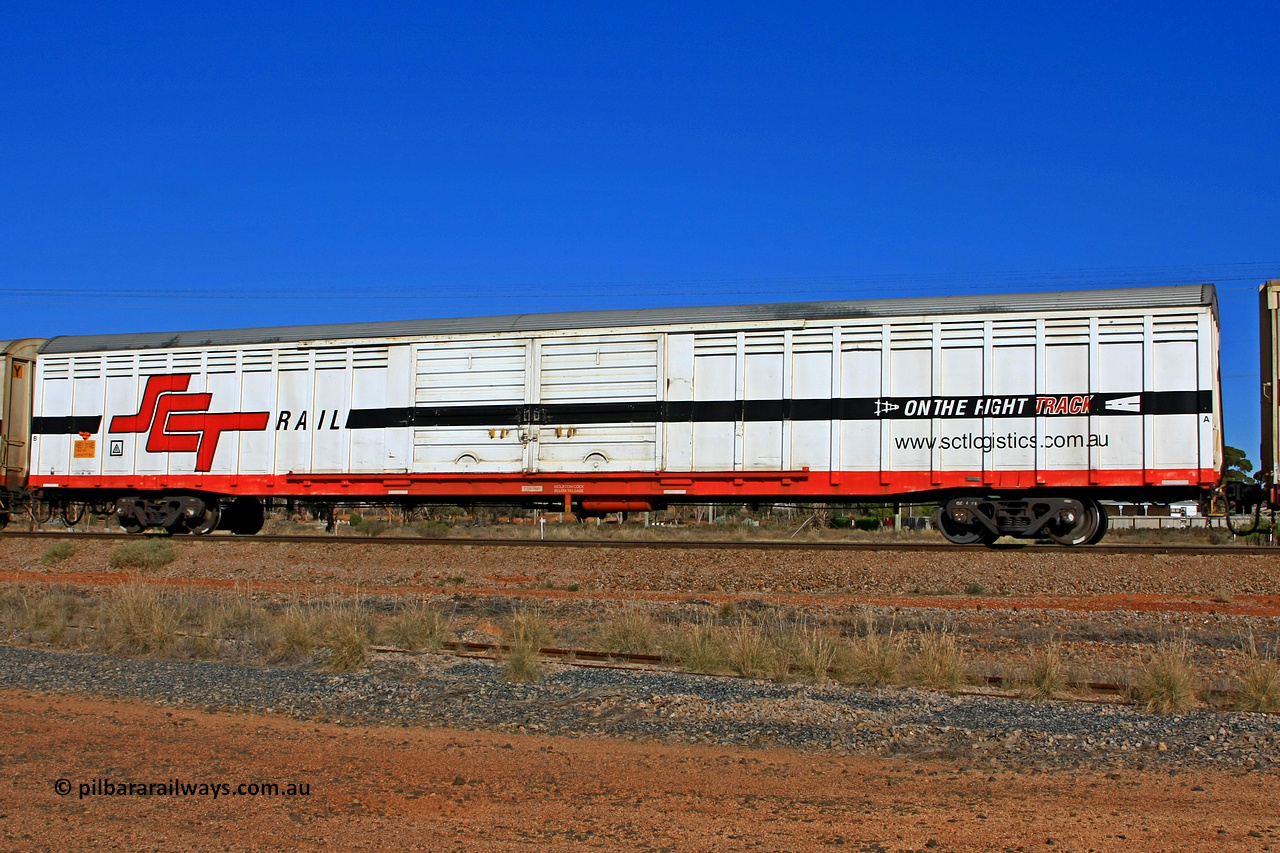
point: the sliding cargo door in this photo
(597, 405)
(471, 407)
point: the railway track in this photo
(697, 545)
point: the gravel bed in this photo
(442, 690)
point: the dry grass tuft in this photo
(1259, 681)
(700, 648)
(296, 634)
(142, 619)
(875, 659)
(418, 626)
(818, 653)
(940, 664)
(149, 554)
(524, 635)
(1166, 683)
(343, 631)
(1047, 674)
(629, 631)
(747, 650)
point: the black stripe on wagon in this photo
(69, 425)
(845, 408)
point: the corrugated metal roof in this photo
(1191, 295)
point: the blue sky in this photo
(171, 166)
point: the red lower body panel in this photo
(622, 486)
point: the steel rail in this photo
(692, 545)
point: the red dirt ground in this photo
(436, 789)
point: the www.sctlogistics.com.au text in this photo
(181, 788)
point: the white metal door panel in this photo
(598, 370)
(1066, 372)
(292, 428)
(460, 373)
(1119, 436)
(677, 452)
(811, 380)
(762, 440)
(470, 373)
(860, 440)
(589, 371)
(589, 449)
(714, 375)
(961, 377)
(1175, 438)
(258, 394)
(1013, 374)
(462, 450)
(911, 441)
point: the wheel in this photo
(1102, 524)
(131, 525)
(245, 516)
(954, 533)
(4, 520)
(1085, 527)
(209, 523)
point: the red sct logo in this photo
(181, 423)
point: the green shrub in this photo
(867, 523)
(355, 519)
(431, 529)
(372, 527)
(148, 554)
(57, 552)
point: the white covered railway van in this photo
(978, 402)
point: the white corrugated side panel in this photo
(860, 376)
(331, 400)
(1177, 368)
(1119, 359)
(811, 380)
(714, 378)
(1066, 371)
(910, 375)
(677, 452)
(598, 370)
(400, 394)
(1013, 374)
(258, 394)
(53, 399)
(452, 373)
(294, 386)
(961, 374)
(763, 380)
(88, 392)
